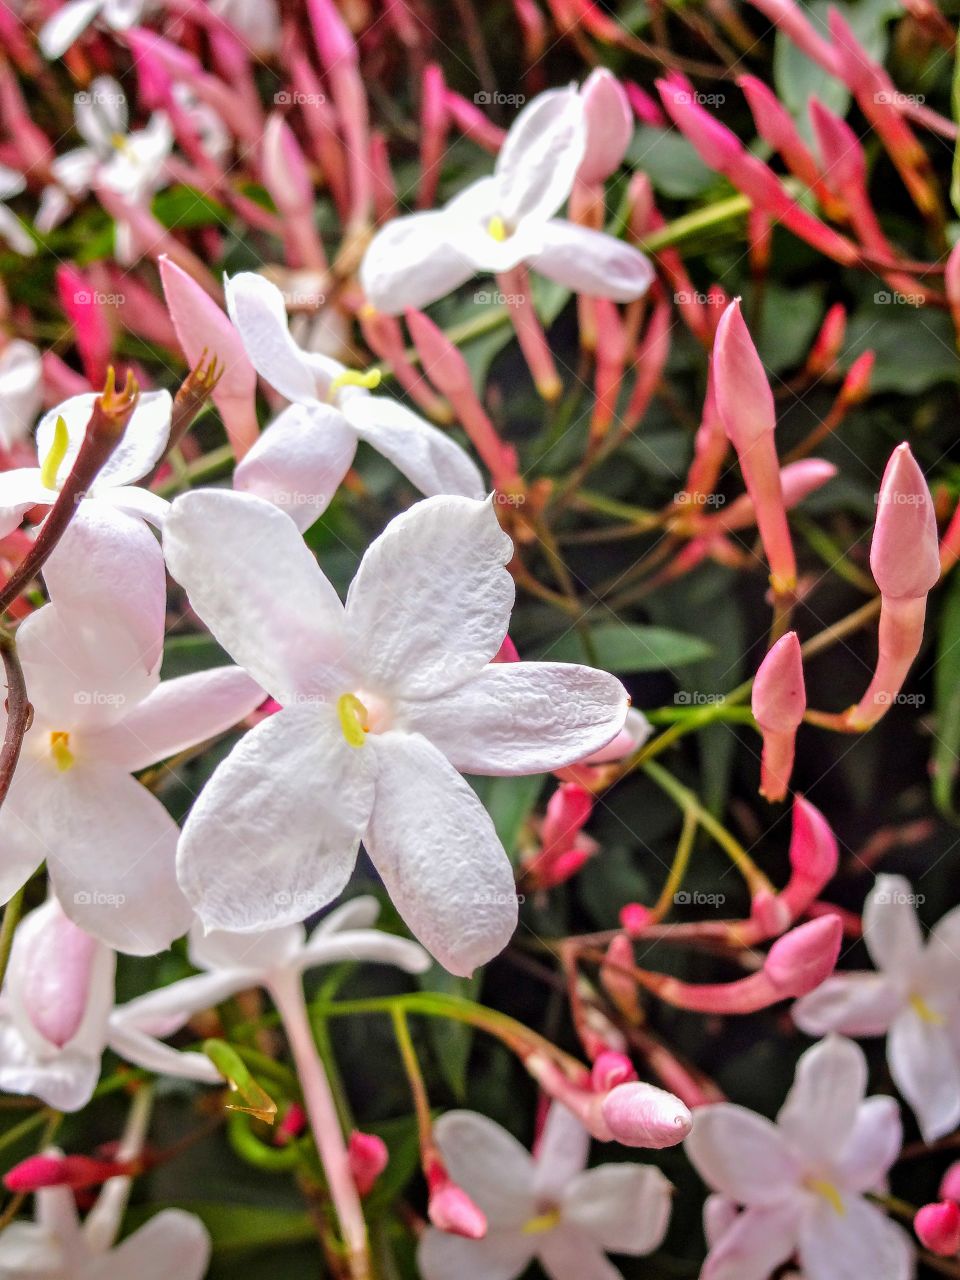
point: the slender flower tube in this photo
(434, 124)
(286, 178)
(905, 560)
(938, 1228)
(745, 405)
(779, 701)
(776, 126)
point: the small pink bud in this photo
(634, 918)
(641, 1115)
(951, 281)
(905, 552)
(829, 341)
(938, 1228)
(292, 1125)
(451, 1209)
(645, 108)
(368, 1157)
(609, 125)
(856, 384)
(844, 162)
(610, 1070)
(814, 855)
(769, 913)
(507, 652)
(806, 956)
(950, 1183)
(568, 810)
(75, 1172)
(779, 697)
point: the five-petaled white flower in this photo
(497, 223)
(383, 700)
(802, 1181)
(914, 1000)
(57, 1016)
(99, 716)
(548, 1206)
(301, 458)
(107, 558)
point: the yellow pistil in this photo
(60, 750)
(354, 720)
(497, 228)
(55, 455)
(925, 1013)
(829, 1192)
(354, 378)
(543, 1222)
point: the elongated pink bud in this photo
(844, 161)
(938, 1228)
(806, 956)
(769, 914)
(950, 1183)
(778, 701)
(814, 856)
(51, 967)
(775, 125)
(368, 1156)
(609, 125)
(645, 108)
(286, 178)
(471, 121)
(615, 976)
(203, 327)
(340, 58)
(745, 405)
(797, 481)
(91, 330)
(568, 811)
(75, 1172)
(641, 1115)
(829, 342)
(434, 124)
(905, 561)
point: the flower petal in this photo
(821, 1108)
(925, 1069)
(133, 500)
(144, 1051)
(625, 1208)
(498, 1256)
(274, 834)
(178, 714)
(435, 846)
(592, 262)
(252, 580)
(560, 1153)
(410, 262)
(490, 1165)
(59, 33)
(425, 455)
(567, 1253)
(742, 1155)
(109, 565)
(257, 309)
(755, 1244)
(370, 945)
(891, 929)
(855, 1004)
(859, 1242)
(20, 490)
(172, 1243)
(872, 1146)
(161, 1012)
(299, 461)
(540, 156)
(138, 452)
(522, 717)
(21, 389)
(431, 601)
(110, 849)
(65, 1081)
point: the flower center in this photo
(822, 1187)
(925, 1013)
(354, 378)
(55, 455)
(541, 1223)
(497, 228)
(354, 719)
(60, 750)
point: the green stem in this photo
(678, 868)
(11, 918)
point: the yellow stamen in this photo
(60, 750)
(354, 378)
(544, 1222)
(119, 141)
(925, 1013)
(55, 455)
(829, 1192)
(497, 228)
(354, 720)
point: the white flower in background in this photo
(57, 1015)
(258, 21)
(107, 557)
(72, 19)
(132, 164)
(499, 222)
(12, 229)
(384, 701)
(913, 999)
(21, 391)
(301, 458)
(99, 716)
(802, 1181)
(548, 1206)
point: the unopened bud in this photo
(641, 1115)
(938, 1227)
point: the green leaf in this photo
(670, 162)
(243, 1227)
(626, 648)
(946, 698)
(915, 349)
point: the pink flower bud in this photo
(615, 975)
(610, 1070)
(634, 918)
(368, 1157)
(568, 811)
(609, 125)
(769, 913)
(775, 125)
(938, 1227)
(434, 123)
(451, 1209)
(856, 385)
(283, 167)
(51, 970)
(779, 701)
(844, 162)
(905, 552)
(814, 855)
(951, 280)
(334, 41)
(507, 652)
(806, 956)
(292, 1125)
(91, 330)
(57, 1170)
(641, 1115)
(950, 1183)
(645, 108)
(829, 341)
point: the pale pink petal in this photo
(592, 262)
(872, 1146)
(410, 262)
(428, 457)
(924, 1066)
(172, 1243)
(855, 1004)
(431, 601)
(162, 1012)
(540, 156)
(436, 849)
(144, 1051)
(821, 1108)
(59, 33)
(891, 929)
(567, 1253)
(65, 1081)
(742, 1155)
(500, 1255)
(257, 309)
(20, 490)
(364, 945)
(490, 1165)
(755, 1244)
(133, 500)
(625, 1208)
(560, 1153)
(859, 1242)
